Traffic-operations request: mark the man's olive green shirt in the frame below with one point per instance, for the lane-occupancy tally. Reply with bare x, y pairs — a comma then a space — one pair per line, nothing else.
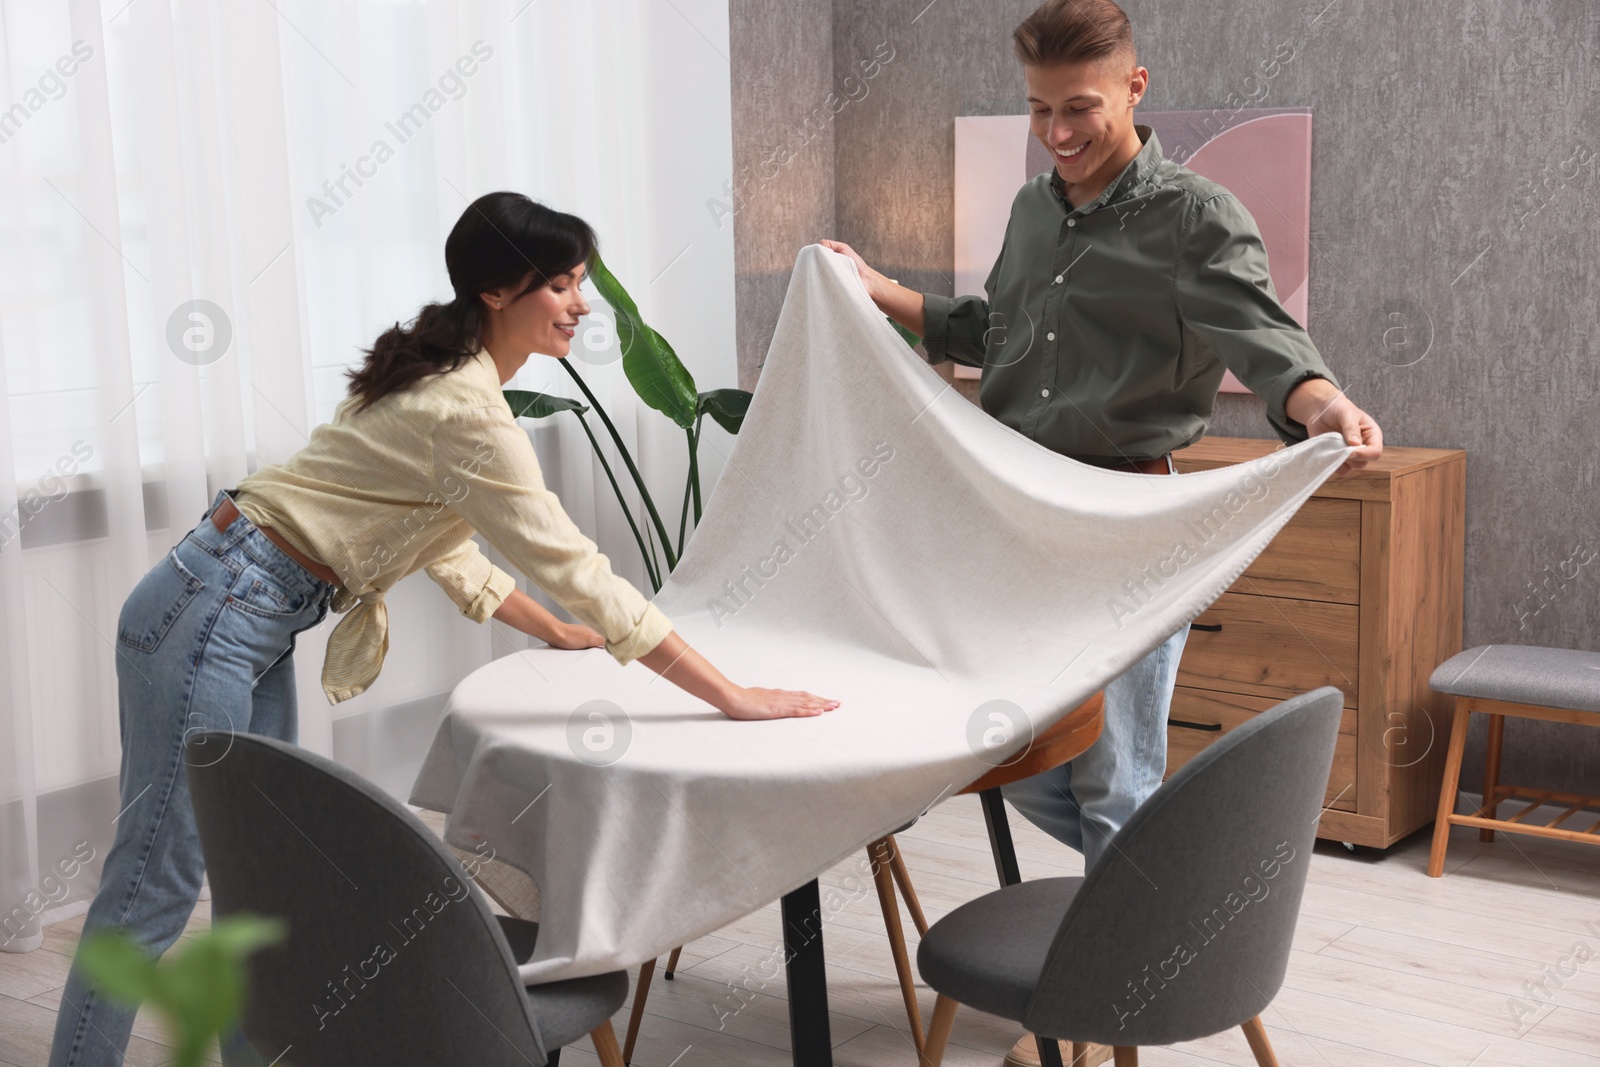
1107, 327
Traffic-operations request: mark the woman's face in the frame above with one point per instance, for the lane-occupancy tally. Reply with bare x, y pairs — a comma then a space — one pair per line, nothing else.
544, 320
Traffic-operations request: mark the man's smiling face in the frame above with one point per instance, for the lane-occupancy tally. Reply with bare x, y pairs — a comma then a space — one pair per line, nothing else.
1083, 114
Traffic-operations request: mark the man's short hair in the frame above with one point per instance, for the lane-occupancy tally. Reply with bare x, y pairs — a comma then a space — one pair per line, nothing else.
1076, 31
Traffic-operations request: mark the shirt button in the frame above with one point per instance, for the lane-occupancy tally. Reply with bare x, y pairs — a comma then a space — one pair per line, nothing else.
1072, 222
1049, 337
1044, 392
1058, 279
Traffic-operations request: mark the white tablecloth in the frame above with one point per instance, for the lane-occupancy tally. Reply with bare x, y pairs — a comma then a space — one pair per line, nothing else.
876, 538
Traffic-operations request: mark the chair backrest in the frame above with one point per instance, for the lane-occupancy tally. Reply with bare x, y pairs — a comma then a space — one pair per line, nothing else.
1182, 929
392, 954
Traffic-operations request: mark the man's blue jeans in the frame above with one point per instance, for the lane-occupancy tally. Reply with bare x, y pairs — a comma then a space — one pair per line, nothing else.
204, 642
1083, 803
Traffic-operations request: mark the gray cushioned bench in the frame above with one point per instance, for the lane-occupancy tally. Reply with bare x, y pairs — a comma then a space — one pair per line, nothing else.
1553, 684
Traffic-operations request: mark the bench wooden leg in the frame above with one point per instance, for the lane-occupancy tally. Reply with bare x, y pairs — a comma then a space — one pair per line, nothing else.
1448, 787
1491, 772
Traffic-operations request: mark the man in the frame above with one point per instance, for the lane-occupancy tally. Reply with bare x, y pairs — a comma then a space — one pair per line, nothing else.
1125, 286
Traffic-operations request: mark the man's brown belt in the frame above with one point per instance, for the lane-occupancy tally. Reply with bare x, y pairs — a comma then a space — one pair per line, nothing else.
1139, 466
223, 517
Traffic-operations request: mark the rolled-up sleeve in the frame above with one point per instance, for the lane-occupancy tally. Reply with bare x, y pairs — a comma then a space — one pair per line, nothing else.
1224, 294
476, 585
486, 470
957, 327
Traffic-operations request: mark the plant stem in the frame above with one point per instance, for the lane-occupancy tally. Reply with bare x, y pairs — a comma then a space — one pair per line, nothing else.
638, 480
652, 566
691, 486
683, 513
649, 534
694, 467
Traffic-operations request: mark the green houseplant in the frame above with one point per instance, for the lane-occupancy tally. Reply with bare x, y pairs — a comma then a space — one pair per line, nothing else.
665, 384
197, 989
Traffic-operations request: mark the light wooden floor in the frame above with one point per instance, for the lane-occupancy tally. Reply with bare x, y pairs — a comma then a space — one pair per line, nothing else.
1390, 967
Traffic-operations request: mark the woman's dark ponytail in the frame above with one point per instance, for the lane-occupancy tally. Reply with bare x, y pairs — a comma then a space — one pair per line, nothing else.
496, 243
439, 339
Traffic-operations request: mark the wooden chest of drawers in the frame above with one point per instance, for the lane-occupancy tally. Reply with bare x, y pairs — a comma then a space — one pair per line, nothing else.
1361, 590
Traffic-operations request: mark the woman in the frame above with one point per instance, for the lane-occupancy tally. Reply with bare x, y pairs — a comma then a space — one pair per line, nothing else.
422, 453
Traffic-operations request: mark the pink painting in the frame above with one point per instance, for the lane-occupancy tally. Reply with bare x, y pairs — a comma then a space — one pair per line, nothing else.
1261, 155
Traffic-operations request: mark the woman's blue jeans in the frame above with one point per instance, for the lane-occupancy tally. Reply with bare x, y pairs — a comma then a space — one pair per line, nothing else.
1084, 803
205, 642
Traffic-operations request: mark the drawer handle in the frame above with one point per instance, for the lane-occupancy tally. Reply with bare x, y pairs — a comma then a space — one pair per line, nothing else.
1208, 726
1208, 627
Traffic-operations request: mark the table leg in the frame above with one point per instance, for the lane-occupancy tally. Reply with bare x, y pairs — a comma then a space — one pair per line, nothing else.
808, 980
1005, 854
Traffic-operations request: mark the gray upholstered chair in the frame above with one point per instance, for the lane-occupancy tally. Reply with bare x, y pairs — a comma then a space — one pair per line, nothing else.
392, 955
1181, 931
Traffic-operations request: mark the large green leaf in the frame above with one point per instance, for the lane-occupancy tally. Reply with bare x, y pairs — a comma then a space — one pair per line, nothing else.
726, 406
118, 966
241, 934
658, 376
197, 989
527, 404
202, 989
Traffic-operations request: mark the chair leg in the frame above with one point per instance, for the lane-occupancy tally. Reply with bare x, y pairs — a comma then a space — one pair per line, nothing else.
672, 963
1080, 1049
1491, 771
1256, 1034
1124, 1057
641, 993
1049, 1051
902, 878
605, 1045
944, 1017
1448, 787
881, 850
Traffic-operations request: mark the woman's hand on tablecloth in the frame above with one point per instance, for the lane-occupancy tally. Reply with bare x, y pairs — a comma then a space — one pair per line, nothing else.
573, 635
681, 665
521, 611
776, 704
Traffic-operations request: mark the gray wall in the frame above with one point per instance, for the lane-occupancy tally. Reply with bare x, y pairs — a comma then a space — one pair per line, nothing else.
1447, 187
783, 155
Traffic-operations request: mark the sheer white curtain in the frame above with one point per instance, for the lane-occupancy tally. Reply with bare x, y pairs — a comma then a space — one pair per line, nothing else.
207, 210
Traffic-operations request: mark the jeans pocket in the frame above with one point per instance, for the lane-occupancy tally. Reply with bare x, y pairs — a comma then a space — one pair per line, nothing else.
257, 591
155, 603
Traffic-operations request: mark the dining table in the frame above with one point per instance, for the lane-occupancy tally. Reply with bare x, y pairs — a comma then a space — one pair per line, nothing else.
531, 759
872, 537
